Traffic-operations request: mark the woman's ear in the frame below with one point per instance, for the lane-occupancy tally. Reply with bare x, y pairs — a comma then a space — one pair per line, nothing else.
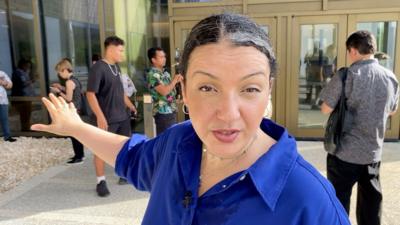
271, 85
184, 97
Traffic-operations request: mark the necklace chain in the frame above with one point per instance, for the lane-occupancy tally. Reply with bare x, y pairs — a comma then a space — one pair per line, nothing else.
233, 159
243, 151
112, 71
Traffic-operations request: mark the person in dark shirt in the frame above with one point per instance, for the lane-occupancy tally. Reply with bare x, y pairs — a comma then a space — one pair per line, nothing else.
73, 93
111, 107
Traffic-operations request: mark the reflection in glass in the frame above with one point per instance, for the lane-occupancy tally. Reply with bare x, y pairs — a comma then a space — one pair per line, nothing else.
21, 120
318, 59
22, 31
80, 49
72, 31
25, 76
385, 34
22, 80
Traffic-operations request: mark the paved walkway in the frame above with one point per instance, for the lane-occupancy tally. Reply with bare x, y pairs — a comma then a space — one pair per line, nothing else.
65, 194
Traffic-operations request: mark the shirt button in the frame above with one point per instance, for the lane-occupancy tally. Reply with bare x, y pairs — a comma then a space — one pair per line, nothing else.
224, 186
242, 177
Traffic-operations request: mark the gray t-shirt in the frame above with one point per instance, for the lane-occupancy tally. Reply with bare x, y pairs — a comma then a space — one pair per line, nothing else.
372, 93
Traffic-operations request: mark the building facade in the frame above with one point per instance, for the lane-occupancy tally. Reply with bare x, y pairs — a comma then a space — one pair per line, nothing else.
36, 34
308, 35
309, 39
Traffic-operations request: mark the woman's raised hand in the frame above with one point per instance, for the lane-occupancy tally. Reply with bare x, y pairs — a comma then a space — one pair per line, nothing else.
65, 119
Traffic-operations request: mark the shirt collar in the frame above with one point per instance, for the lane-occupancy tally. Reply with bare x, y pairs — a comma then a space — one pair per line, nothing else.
363, 62
156, 69
189, 156
269, 173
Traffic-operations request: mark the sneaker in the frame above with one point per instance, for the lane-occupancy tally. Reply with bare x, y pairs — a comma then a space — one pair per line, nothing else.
10, 139
122, 181
75, 161
83, 158
101, 189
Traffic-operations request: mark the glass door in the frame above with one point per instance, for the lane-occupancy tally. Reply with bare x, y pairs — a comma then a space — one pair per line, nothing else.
384, 26
318, 50
181, 32
270, 27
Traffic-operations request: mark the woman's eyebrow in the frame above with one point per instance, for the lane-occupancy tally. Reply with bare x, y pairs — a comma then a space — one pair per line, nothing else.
253, 74
200, 72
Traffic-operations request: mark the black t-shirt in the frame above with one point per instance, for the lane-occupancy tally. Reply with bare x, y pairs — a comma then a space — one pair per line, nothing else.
105, 81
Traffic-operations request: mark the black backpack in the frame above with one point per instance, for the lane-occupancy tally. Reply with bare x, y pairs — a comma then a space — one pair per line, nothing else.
335, 123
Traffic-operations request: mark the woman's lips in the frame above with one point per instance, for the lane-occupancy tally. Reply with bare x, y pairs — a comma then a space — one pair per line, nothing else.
226, 136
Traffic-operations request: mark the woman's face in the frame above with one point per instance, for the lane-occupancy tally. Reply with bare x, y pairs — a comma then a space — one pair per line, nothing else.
226, 91
64, 74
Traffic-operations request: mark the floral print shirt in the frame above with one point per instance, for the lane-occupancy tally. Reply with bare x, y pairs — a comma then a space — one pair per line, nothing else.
161, 104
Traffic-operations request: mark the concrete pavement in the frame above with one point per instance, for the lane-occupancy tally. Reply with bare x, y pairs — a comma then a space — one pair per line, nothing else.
66, 194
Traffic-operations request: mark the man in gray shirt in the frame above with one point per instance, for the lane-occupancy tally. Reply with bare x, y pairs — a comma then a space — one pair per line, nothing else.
372, 95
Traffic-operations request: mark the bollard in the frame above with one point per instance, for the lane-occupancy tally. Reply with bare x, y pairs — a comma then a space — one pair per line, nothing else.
149, 126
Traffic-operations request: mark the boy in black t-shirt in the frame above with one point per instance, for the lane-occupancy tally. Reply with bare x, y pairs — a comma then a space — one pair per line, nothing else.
107, 100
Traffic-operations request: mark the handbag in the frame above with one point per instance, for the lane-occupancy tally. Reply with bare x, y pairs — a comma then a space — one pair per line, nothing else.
335, 123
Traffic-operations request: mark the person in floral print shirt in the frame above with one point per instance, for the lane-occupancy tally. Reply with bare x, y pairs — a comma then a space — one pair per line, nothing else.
162, 90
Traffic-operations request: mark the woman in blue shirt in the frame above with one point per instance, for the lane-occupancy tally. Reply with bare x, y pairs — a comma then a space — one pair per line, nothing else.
227, 165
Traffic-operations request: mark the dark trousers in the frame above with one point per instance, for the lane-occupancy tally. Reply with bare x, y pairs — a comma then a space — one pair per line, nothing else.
164, 121
25, 109
78, 148
121, 128
344, 175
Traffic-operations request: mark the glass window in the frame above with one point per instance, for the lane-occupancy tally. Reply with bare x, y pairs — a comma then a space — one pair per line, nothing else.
72, 31
25, 76
317, 64
385, 34
197, 0
95, 39
56, 36
80, 48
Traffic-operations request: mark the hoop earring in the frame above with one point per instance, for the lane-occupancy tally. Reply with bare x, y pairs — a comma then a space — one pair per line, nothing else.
184, 107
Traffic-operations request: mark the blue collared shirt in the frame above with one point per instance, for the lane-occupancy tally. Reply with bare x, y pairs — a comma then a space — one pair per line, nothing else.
280, 188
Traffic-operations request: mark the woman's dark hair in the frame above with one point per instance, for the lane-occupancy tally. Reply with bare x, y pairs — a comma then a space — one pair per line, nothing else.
238, 29
113, 40
363, 41
151, 53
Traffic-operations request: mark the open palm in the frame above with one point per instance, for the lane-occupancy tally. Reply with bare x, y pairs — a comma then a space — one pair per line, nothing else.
64, 117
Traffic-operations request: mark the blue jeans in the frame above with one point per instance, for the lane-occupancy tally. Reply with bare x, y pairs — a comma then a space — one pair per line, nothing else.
4, 121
